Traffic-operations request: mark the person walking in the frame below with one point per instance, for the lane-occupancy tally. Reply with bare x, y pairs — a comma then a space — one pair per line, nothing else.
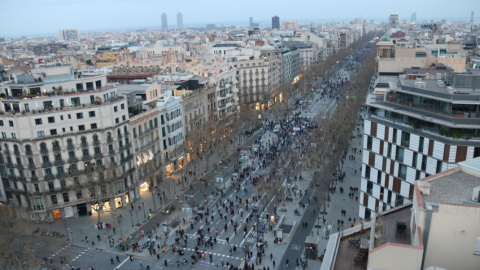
286, 263
118, 259
111, 260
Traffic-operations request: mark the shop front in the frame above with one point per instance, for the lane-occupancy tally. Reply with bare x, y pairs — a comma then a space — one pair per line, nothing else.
57, 214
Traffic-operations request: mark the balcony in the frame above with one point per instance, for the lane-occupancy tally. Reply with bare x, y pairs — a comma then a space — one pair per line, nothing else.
47, 164
57, 148
109, 140
58, 162
98, 155
223, 95
84, 144
44, 151
29, 153
70, 147
19, 165
6, 151
86, 157
111, 152
49, 177
16, 152
60, 174
96, 142
34, 178
221, 106
21, 178
72, 159
31, 166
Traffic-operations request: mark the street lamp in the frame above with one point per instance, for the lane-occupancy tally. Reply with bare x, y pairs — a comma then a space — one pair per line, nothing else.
143, 206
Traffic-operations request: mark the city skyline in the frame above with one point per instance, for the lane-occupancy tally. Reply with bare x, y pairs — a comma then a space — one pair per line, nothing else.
53, 15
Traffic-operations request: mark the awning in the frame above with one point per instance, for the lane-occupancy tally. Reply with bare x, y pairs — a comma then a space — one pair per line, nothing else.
145, 158
139, 160
150, 153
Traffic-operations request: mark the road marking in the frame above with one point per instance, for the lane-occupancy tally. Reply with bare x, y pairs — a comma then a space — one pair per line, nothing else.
118, 266
296, 247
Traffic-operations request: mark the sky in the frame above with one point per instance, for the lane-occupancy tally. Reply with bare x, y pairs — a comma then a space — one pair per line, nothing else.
46, 17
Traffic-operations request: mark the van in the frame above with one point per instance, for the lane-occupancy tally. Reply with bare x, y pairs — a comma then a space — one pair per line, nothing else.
276, 128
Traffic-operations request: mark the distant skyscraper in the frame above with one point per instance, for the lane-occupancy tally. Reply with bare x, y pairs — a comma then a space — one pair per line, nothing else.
251, 21
69, 34
179, 21
275, 22
393, 20
413, 18
164, 22
471, 17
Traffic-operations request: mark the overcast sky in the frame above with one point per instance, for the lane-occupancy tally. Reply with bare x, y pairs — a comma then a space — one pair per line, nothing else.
42, 17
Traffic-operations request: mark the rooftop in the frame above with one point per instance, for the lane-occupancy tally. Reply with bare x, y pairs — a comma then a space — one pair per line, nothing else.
455, 187
389, 227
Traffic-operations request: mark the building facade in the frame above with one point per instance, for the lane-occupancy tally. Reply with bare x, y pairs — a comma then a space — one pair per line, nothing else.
276, 22
416, 127
68, 155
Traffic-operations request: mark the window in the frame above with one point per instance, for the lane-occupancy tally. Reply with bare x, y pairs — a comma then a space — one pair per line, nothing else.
379, 177
54, 199
93, 126
51, 186
369, 143
424, 163
415, 159
61, 117
65, 197
85, 152
117, 120
399, 154
37, 204
80, 115
45, 159
97, 150
394, 140
47, 171
124, 118
14, 135
402, 171
38, 121
58, 157
367, 172
51, 119
91, 114
477, 246
417, 175
10, 123
405, 139
76, 180
420, 147
81, 127
37, 187
4, 135
115, 109
60, 170
31, 162
69, 116
63, 184
439, 166
1, 123
122, 106
53, 132
40, 134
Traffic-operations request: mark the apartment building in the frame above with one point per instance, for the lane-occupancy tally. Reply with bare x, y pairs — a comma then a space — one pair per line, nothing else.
308, 55
441, 225
418, 125
67, 155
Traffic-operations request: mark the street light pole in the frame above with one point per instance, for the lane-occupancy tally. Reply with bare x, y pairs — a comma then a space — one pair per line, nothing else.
136, 213
131, 215
143, 206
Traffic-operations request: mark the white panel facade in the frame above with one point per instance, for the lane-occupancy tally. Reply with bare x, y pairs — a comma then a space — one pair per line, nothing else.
365, 156
438, 149
365, 142
425, 145
395, 169
394, 198
378, 162
422, 175
390, 183
373, 175
380, 131
385, 148
367, 126
390, 134
371, 203
363, 185
376, 191
361, 209
394, 151
414, 142
385, 196
404, 189
453, 153
387, 167
408, 157
431, 165
470, 151
376, 145
411, 175
399, 137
